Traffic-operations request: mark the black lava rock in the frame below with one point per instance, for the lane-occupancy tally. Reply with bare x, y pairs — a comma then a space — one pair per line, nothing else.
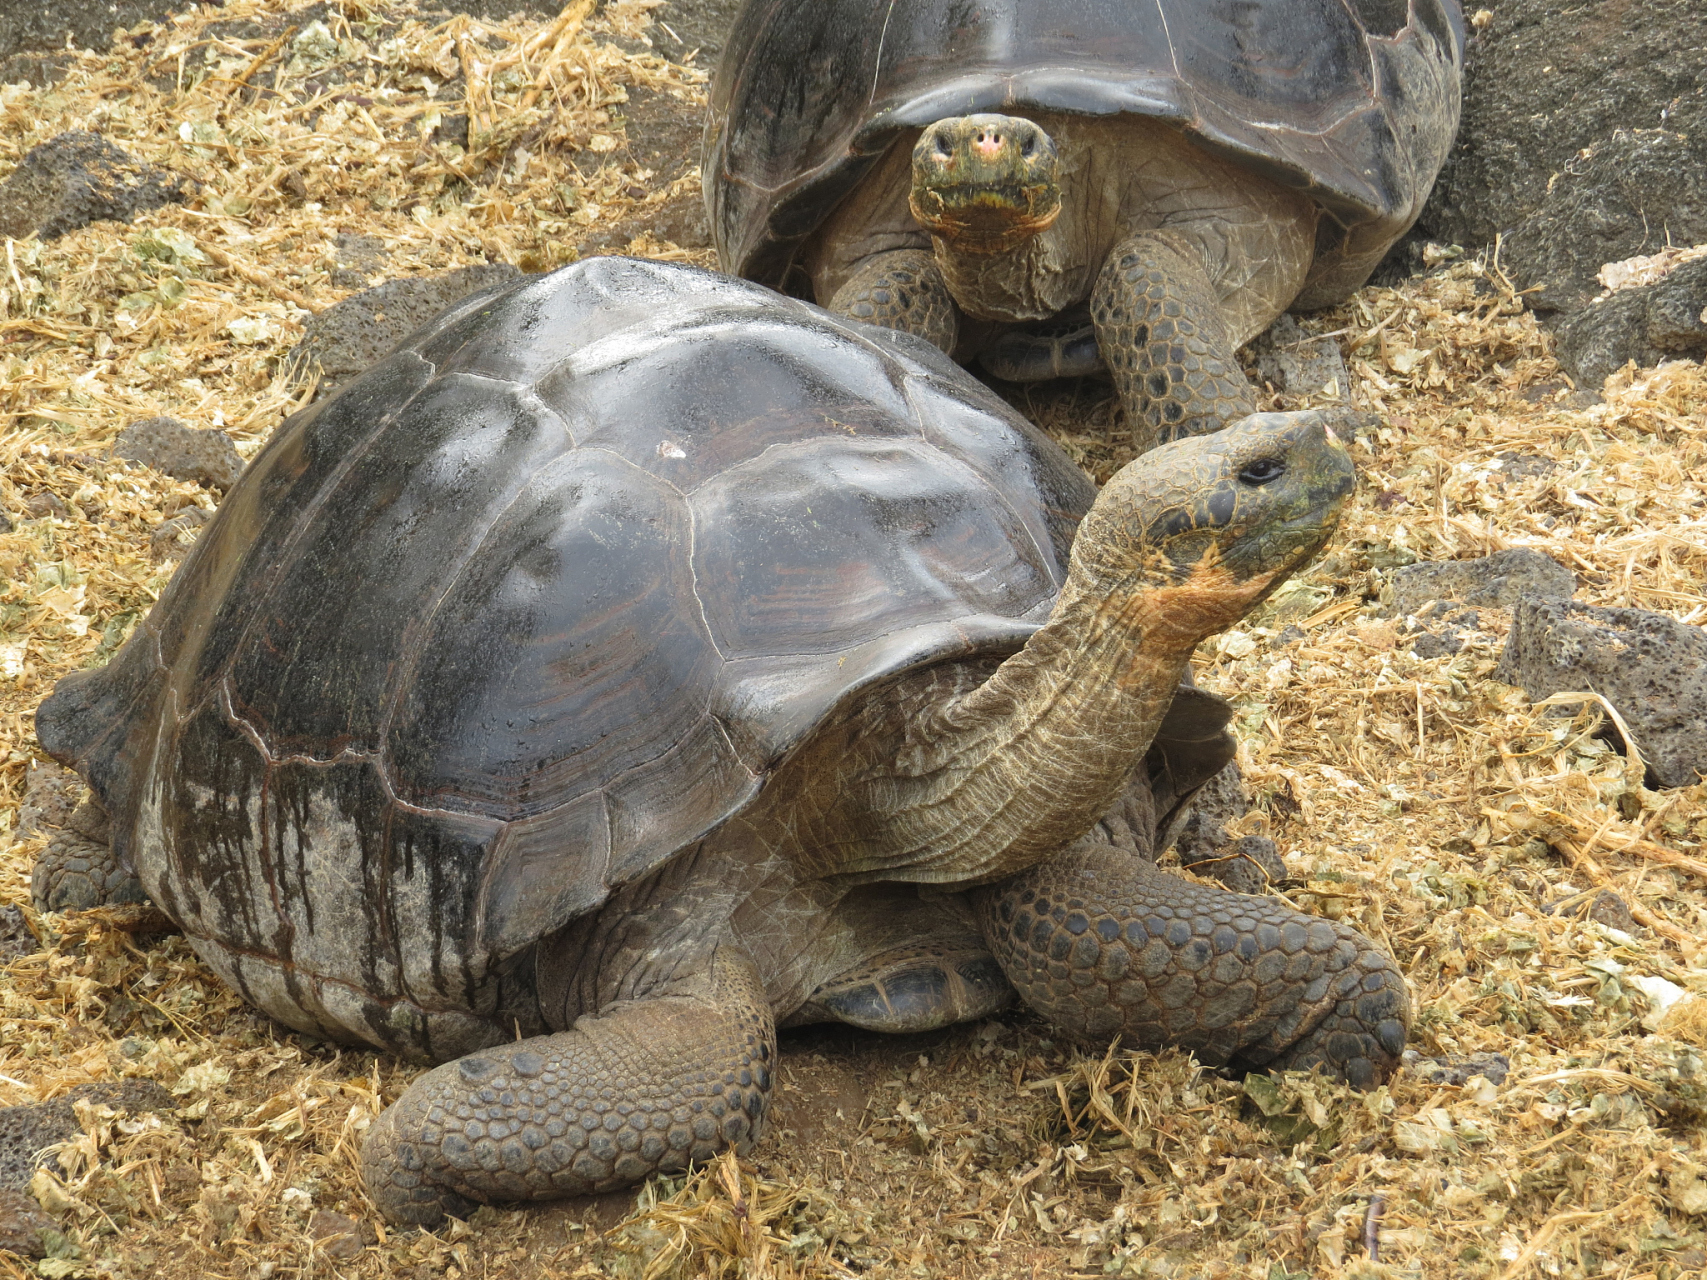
1583, 142
22, 1223
77, 178
1648, 665
1546, 80
25, 1130
1647, 324
202, 456
1499, 581
1627, 197
1250, 864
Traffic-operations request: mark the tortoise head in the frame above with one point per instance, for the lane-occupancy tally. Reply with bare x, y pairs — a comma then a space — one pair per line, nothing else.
1191, 536
985, 183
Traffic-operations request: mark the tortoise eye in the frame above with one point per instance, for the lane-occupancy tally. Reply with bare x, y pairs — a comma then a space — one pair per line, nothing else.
1262, 471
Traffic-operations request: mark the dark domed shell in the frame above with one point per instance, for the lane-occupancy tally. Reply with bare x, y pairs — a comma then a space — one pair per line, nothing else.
536, 602
1323, 95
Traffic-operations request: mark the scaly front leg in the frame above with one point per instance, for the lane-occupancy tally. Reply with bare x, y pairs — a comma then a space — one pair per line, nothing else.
78, 869
1159, 327
901, 289
644, 1087
1102, 943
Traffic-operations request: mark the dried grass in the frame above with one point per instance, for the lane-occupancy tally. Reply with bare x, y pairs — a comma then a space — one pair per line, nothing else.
1434, 807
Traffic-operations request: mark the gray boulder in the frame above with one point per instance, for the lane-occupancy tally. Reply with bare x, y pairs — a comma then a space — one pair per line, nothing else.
357, 259
1583, 142
46, 25
201, 456
38, 70
51, 792
1499, 581
1648, 665
1290, 360
1648, 323
77, 178
1632, 194
172, 538
26, 1129
23, 1224
1250, 864
1547, 79
694, 24
16, 938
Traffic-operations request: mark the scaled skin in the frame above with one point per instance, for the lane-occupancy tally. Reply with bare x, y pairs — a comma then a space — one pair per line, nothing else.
957, 776
1179, 256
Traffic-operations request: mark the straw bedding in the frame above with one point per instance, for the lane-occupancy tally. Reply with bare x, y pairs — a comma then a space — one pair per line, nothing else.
1548, 909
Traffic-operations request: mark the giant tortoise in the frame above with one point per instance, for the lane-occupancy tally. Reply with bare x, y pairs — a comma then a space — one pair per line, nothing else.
1188, 168
636, 660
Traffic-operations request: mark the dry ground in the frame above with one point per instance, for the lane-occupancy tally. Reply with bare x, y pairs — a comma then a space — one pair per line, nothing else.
1420, 798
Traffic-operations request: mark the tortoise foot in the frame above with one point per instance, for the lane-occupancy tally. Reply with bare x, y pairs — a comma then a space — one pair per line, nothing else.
1103, 944
912, 989
78, 871
1064, 347
901, 289
1159, 328
644, 1088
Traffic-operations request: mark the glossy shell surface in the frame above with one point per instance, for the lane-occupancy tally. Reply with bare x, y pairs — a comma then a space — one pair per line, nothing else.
1352, 101
536, 602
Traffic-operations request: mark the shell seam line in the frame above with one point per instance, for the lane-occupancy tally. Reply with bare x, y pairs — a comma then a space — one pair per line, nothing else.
630, 463
693, 582
489, 869
1168, 35
734, 752
533, 400
910, 369
228, 705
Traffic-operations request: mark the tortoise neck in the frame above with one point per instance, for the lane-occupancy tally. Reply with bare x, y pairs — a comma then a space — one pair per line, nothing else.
1031, 759
1032, 281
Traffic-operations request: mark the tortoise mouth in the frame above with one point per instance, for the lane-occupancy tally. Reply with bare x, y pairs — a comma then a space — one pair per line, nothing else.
986, 217
1287, 546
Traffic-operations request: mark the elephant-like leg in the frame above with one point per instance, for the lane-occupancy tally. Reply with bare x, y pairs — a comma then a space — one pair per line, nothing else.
1160, 331
78, 870
643, 1087
901, 289
1102, 943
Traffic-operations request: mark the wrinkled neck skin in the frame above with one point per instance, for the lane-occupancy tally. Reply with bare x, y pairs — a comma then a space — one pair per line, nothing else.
1002, 776
1030, 282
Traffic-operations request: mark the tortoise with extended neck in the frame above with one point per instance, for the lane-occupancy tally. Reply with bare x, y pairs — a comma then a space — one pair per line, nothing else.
977, 175
637, 659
